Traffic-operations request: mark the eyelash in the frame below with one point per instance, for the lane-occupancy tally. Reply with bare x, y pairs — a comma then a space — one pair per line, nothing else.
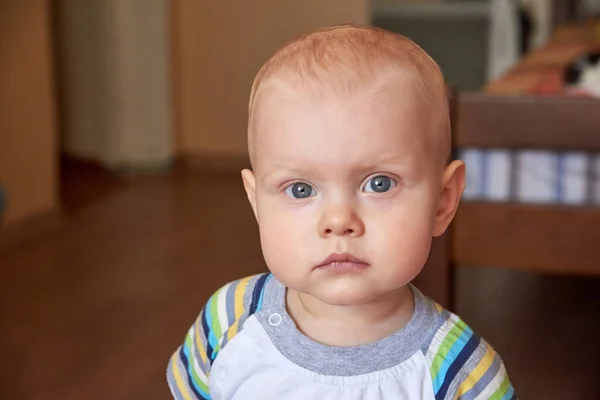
290, 185
395, 183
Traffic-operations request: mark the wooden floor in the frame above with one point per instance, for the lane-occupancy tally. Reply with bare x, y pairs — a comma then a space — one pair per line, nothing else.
93, 307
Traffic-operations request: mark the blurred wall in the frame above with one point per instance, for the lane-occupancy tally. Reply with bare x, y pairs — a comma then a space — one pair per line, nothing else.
115, 84
217, 49
28, 158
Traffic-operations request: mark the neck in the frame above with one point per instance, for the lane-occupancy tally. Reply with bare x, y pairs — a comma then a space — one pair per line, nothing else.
354, 324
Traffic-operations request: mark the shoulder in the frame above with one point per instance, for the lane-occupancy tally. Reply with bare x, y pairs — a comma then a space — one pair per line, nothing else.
228, 308
221, 318
462, 364
235, 301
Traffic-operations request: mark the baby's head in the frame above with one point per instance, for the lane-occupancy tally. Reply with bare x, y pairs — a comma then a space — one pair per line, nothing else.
349, 139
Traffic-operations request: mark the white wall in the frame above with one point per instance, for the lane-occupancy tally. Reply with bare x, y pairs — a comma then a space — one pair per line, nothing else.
115, 82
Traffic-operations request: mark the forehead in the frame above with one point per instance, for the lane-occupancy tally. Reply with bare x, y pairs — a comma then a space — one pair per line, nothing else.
312, 127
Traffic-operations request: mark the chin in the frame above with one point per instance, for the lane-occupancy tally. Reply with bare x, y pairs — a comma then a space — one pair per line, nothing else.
346, 296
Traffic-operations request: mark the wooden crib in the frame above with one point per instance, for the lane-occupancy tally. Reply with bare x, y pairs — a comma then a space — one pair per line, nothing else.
521, 111
545, 238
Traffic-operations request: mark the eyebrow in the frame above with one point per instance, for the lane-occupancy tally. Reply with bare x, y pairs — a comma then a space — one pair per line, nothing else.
280, 169
379, 166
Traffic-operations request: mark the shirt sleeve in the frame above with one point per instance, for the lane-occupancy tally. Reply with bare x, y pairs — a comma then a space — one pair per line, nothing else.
219, 321
189, 366
488, 378
463, 365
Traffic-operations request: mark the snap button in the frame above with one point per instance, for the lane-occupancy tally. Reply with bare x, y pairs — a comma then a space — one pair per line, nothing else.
245, 340
274, 319
222, 374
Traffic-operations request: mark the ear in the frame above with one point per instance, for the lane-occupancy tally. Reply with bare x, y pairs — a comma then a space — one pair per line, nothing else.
250, 186
453, 184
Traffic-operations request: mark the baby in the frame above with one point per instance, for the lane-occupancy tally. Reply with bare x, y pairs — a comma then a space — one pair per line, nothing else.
349, 140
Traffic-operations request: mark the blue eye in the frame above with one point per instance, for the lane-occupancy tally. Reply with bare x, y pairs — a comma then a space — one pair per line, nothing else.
300, 190
379, 184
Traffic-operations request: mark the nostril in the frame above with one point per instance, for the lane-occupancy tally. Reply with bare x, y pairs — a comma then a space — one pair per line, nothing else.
328, 231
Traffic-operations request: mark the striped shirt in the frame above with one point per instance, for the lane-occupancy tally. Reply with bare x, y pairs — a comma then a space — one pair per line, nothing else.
245, 345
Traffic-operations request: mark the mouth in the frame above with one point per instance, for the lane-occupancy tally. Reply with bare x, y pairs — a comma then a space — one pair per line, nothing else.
343, 262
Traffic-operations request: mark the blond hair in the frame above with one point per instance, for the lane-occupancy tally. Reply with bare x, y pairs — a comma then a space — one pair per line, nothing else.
345, 58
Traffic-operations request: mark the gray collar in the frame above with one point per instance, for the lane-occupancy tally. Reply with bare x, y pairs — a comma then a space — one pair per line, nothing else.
343, 361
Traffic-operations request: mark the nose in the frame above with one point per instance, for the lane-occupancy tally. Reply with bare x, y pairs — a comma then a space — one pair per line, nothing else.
341, 220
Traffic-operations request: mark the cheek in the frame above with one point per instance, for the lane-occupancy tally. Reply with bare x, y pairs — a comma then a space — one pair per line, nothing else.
404, 232
282, 234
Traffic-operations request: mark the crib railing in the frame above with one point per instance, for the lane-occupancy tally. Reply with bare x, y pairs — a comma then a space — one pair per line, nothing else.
546, 238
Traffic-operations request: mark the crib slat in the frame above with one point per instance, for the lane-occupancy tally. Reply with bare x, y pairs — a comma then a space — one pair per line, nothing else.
544, 238
519, 122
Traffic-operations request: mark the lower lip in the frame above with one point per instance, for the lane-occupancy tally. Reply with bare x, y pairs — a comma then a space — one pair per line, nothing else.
344, 266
